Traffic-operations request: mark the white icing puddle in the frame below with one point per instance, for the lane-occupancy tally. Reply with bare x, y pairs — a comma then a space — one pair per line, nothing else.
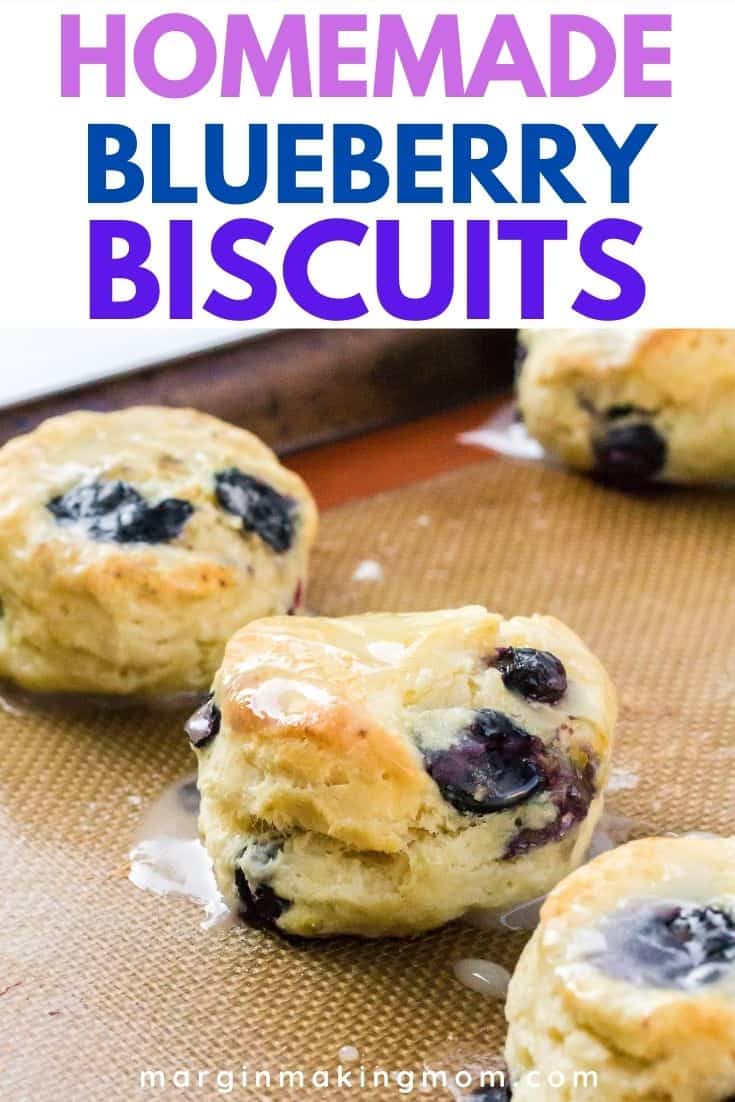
169, 859
484, 976
622, 780
525, 917
369, 570
173, 866
174, 814
504, 435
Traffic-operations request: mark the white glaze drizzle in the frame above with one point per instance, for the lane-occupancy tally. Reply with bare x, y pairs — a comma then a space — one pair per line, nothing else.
169, 859
483, 976
504, 435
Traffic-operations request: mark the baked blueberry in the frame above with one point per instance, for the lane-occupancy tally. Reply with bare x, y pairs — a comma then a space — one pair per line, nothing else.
534, 674
491, 1094
116, 512
93, 499
261, 508
160, 523
630, 455
204, 725
261, 907
664, 944
570, 790
492, 766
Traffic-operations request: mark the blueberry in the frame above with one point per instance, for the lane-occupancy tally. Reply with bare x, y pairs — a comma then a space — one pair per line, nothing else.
116, 512
491, 1094
161, 523
204, 725
570, 790
261, 907
534, 674
630, 455
493, 766
94, 499
262, 509
663, 944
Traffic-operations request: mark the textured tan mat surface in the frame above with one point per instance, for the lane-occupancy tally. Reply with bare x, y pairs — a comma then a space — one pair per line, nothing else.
99, 980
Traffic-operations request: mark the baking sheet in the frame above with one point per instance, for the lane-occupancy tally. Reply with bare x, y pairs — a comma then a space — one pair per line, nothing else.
99, 980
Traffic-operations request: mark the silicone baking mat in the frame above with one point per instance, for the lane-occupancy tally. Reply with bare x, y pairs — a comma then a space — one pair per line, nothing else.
101, 980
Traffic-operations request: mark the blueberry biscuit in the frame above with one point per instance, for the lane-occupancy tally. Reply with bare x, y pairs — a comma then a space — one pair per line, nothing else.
631, 976
133, 544
633, 406
382, 774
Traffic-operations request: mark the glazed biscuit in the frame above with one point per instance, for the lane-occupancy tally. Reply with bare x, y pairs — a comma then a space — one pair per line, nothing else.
631, 975
382, 774
633, 406
133, 544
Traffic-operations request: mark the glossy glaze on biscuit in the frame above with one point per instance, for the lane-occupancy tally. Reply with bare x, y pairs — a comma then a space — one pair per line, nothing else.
631, 975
